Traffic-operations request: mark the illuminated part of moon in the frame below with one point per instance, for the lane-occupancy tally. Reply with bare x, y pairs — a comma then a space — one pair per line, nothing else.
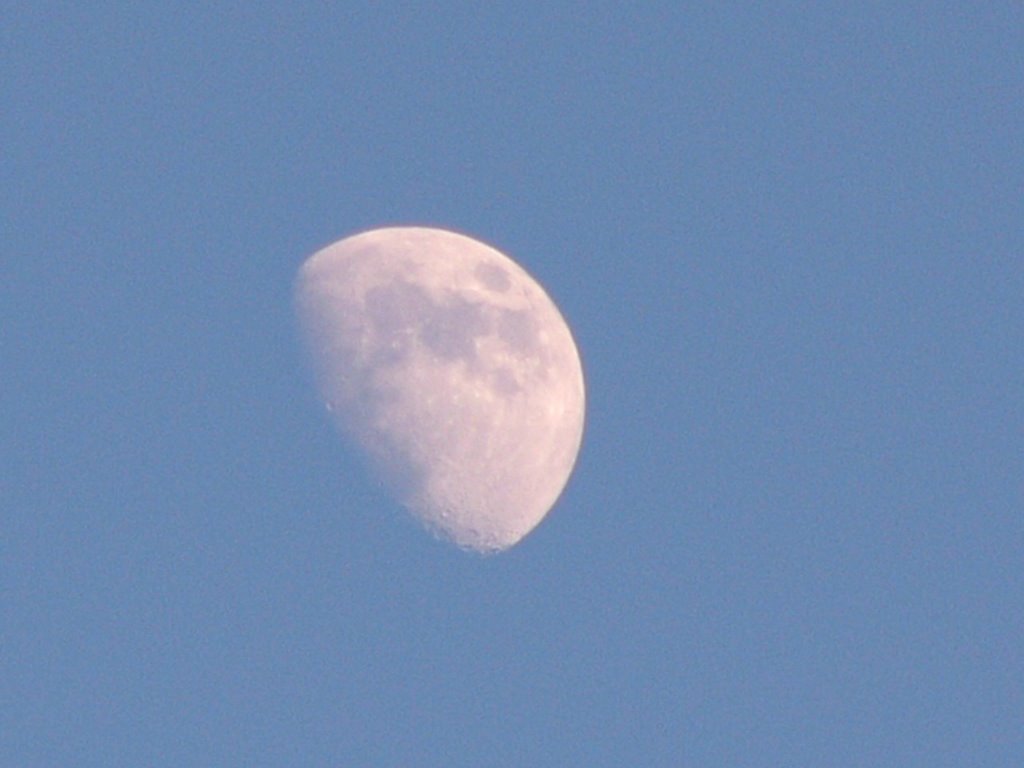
453, 372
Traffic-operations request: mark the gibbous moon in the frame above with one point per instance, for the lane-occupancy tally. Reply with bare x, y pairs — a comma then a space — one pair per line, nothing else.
452, 371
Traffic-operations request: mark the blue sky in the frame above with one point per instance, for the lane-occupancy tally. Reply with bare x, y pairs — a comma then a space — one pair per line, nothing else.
788, 240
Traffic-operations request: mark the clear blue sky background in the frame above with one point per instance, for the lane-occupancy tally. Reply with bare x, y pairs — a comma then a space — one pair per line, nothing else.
789, 238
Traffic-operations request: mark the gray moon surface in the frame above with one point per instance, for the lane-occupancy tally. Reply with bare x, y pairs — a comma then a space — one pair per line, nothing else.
452, 372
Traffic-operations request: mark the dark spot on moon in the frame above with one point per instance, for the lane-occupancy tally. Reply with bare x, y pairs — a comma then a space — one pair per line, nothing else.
503, 382
394, 311
400, 313
450, 330
395, 307
518, 330
493, 276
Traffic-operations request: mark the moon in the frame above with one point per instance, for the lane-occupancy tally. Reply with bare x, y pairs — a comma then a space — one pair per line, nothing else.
453, 373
